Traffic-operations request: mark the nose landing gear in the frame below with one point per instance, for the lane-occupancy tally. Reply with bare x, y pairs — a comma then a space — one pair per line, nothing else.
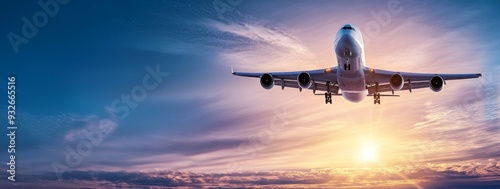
347, 66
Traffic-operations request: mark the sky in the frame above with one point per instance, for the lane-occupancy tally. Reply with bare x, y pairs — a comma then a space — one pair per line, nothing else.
139, 94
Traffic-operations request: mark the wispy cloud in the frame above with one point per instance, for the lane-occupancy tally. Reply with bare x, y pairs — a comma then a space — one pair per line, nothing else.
263, 47
47, 137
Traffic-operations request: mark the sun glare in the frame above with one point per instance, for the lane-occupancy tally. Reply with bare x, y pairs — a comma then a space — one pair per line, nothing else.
369, 153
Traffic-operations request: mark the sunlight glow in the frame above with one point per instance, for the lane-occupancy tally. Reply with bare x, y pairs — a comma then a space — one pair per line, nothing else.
369, 153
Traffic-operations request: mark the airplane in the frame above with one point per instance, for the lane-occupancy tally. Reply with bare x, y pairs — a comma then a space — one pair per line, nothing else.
351, 76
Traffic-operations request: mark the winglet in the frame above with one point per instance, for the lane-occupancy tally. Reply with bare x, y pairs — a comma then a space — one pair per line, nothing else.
232, 71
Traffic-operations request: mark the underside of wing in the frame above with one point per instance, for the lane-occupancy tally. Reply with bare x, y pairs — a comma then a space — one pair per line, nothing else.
316, 80
406, 86
384, 80
316, 86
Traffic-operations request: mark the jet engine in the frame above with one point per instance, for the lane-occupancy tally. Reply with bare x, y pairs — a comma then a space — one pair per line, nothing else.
397, 82
266, 81
304, 80
436, 83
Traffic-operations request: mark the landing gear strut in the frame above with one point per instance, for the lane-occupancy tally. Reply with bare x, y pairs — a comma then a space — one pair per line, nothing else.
376, 95
328, 94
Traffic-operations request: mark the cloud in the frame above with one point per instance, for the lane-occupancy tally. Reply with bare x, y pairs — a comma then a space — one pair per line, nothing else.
429, 175
262, 34
46, 137
87, 126
262, 46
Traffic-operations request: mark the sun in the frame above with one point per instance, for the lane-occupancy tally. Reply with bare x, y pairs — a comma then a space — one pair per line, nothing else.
368, 153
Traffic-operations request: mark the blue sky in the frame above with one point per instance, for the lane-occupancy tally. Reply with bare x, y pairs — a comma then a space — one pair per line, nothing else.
201, 120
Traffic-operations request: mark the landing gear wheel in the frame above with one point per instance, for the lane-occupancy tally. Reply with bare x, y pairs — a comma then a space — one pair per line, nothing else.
328, 98
376, 98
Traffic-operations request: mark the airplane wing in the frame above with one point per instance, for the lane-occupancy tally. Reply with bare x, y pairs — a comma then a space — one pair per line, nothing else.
325, 79
411, 80
321, 79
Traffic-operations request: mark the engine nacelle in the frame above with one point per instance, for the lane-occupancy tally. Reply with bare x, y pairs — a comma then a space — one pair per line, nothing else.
304, 80
397, 82
267, 81
436, 83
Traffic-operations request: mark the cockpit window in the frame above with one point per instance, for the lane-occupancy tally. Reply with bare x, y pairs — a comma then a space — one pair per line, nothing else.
348, 28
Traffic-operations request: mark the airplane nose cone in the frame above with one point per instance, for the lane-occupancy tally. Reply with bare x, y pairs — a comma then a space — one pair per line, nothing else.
347, 40
347, 46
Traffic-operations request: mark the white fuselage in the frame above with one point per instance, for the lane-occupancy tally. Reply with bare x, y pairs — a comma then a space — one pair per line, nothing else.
350, 54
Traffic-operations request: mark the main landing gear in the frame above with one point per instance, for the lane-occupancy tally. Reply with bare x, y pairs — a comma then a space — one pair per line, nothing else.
328, 97
376, 98
376, 95
328, 93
